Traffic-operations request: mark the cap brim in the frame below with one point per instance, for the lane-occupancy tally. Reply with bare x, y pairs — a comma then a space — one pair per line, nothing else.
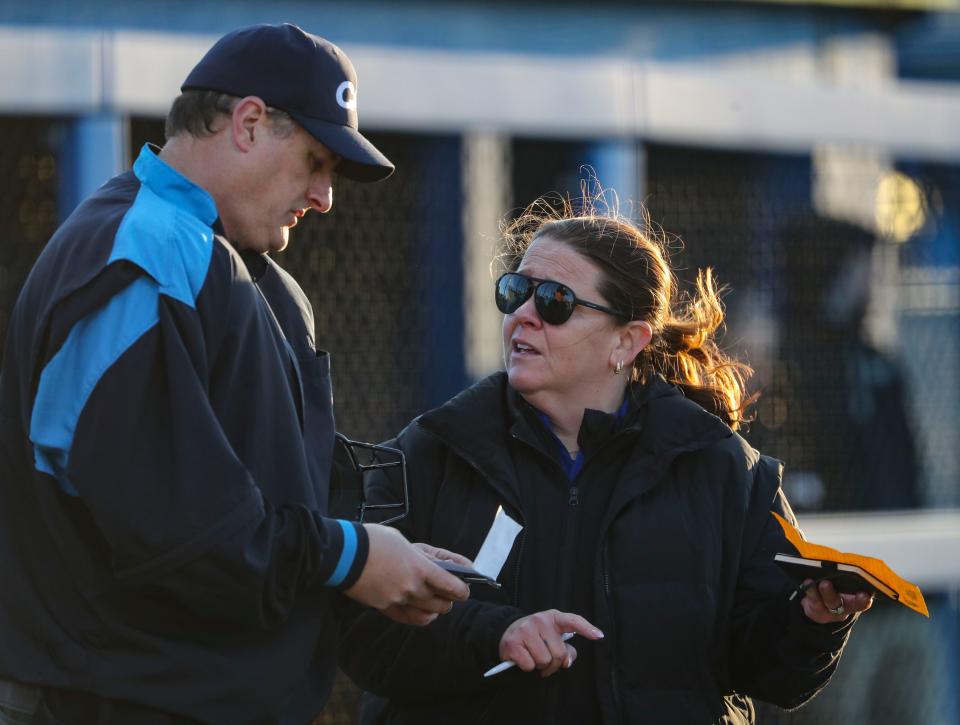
360, 160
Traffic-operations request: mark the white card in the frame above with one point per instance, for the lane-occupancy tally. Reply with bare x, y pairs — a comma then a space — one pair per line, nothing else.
496, 547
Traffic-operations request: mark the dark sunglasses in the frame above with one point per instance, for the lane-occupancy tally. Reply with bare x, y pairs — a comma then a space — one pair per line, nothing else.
554, 301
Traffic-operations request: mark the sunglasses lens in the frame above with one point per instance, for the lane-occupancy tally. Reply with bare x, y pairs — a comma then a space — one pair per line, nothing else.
512, 291
554, 302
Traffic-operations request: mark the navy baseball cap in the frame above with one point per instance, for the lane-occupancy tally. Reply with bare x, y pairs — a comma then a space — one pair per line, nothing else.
302, 74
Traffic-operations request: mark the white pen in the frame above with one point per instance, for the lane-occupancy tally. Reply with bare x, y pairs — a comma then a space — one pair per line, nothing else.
507, 664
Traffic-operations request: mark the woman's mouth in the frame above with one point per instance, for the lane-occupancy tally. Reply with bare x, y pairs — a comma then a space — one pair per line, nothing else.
523, 349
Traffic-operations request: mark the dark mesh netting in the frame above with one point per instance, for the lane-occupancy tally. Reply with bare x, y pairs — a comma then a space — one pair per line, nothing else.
28, 202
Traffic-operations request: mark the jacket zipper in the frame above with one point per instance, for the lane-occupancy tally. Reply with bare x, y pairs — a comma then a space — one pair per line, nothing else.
573, 500
571, 525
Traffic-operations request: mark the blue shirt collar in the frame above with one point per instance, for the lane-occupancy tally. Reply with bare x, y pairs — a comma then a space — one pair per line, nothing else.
572, 466
170, 185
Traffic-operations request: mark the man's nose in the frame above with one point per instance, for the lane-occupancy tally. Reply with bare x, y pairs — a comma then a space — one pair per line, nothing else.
320, 193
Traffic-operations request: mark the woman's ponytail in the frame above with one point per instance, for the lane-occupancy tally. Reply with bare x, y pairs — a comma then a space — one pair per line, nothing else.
684, 351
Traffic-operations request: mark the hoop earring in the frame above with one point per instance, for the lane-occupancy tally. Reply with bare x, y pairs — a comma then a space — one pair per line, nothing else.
618, 368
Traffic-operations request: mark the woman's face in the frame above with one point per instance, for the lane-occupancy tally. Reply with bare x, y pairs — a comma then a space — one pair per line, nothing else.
573, 360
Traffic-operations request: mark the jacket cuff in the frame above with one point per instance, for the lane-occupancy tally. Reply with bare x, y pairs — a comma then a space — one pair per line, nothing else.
349, 546
814, 637
495, 619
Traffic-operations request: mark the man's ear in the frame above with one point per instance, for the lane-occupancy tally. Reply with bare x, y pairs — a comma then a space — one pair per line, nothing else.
247, 121
633, 337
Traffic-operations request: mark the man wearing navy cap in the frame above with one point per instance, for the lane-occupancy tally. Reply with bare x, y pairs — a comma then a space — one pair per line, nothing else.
167, 426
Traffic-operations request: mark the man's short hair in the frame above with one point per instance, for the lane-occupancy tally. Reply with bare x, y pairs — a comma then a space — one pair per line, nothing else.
198, 112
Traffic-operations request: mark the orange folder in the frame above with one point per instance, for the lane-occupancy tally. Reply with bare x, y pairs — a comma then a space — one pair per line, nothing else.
818, 562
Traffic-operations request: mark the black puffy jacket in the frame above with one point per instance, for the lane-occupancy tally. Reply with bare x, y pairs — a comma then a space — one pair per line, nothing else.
678, 570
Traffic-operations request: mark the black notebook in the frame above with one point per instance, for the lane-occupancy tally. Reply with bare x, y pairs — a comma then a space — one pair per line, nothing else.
847, 578
467, 573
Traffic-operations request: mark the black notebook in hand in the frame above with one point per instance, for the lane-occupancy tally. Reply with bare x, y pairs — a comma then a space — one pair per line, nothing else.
467, 573
846, 578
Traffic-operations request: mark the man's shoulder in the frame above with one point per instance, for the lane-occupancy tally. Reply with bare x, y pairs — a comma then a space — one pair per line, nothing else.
79, 251
170, 244
94, 222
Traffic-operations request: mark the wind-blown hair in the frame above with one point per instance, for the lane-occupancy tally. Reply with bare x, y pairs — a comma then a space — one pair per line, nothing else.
637, 280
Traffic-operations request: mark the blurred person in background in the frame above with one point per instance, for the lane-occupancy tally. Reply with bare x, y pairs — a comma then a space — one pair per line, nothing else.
167, 425
847, 429
848, 433
646, 520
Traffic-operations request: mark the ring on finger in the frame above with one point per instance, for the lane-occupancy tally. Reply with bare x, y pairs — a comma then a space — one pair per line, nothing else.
838, 610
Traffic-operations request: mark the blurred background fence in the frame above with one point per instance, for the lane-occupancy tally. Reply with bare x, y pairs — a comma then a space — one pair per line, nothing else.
757, 135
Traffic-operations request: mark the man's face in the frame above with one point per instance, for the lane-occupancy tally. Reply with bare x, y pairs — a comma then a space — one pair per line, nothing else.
283, 177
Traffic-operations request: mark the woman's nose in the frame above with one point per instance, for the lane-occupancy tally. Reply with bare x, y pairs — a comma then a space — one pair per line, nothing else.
526, 313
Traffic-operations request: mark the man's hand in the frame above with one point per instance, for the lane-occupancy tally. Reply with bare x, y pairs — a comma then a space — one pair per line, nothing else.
535, 641
435, 552
823, 603
401, 581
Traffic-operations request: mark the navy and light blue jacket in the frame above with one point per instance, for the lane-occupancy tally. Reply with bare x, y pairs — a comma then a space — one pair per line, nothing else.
167, 432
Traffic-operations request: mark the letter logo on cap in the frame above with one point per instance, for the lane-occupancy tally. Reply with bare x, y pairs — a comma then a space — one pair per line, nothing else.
346, 95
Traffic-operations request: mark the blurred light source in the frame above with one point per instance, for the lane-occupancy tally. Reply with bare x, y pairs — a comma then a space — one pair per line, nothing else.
901, 207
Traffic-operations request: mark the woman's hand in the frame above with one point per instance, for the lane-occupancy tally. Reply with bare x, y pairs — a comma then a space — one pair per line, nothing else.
823, 604
535, 642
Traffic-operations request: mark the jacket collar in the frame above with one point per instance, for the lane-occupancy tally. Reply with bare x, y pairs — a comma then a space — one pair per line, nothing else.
597, 426
477, 425
172, 186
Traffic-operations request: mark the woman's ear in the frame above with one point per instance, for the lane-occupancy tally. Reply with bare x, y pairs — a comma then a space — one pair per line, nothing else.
633, 337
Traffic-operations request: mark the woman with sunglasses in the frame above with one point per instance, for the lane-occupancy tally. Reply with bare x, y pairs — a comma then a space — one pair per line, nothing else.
646, 520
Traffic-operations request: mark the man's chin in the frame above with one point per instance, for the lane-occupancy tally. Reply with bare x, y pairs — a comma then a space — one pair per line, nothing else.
276, 242
279, 243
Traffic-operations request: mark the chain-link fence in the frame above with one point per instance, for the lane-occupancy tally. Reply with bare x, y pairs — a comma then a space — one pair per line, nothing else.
375, 273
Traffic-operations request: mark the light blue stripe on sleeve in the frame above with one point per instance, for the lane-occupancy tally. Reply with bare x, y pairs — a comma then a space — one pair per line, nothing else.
347, 554
93, 345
